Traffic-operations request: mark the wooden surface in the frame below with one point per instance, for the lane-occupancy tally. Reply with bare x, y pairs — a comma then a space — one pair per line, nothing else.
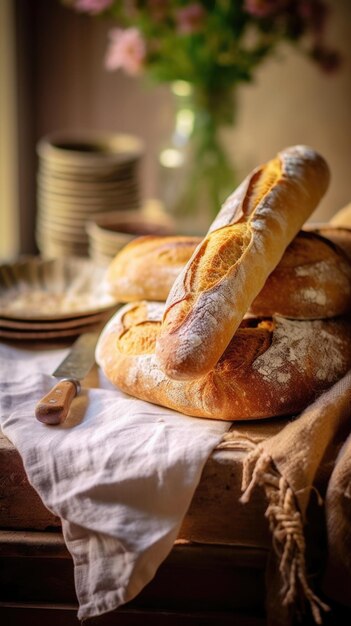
215, 514
65, 616
196, 582
214, 575
197, 585
20, 505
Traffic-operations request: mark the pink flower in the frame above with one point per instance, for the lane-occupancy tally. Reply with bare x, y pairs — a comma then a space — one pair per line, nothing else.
126, 51
190, 19
92, 6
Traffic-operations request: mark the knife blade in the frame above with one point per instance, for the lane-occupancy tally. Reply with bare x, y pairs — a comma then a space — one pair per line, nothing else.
53, 408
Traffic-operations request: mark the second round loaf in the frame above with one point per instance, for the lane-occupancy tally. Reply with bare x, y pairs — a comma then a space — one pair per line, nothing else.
312, 280
270, 368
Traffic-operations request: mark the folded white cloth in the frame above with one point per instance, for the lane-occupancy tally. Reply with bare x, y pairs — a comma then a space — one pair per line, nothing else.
120, 473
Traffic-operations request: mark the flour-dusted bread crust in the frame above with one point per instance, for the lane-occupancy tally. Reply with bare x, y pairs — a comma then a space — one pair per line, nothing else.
229, 268
312, 281
147, 267
270, 368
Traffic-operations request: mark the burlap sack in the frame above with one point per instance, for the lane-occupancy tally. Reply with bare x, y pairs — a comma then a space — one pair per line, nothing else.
337, 580
289, 466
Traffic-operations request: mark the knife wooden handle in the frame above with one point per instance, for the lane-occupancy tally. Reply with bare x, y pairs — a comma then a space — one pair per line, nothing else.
53, 408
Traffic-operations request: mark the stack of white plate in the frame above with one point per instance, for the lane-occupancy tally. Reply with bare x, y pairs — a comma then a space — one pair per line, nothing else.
80, 176
41, 300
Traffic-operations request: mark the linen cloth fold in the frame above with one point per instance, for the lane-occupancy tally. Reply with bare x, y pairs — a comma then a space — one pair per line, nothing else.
311, 451
120, 473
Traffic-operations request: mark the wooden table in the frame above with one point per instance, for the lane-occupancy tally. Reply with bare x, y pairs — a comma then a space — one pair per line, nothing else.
213, 576
214, 572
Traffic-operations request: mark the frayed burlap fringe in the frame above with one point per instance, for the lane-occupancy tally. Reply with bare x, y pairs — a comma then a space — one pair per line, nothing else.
285, 524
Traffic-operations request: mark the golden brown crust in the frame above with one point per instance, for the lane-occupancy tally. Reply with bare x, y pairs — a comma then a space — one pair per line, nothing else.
229, 268
270, 368
312, 281
147, 267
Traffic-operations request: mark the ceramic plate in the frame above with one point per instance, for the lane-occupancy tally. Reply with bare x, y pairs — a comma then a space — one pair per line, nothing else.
46, 335
91, 149
62, 186
48, 325
38, 289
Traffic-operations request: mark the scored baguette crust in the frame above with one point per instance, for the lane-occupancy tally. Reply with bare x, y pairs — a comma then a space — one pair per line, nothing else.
147, 267
311, 281
270, 368
229, 268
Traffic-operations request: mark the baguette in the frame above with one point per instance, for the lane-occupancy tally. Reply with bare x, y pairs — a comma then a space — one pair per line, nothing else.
229, 268
311, 281
270, 368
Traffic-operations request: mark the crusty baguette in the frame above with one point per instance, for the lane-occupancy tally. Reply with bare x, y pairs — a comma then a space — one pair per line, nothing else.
146, 268
311, 281
229, 268
270, 368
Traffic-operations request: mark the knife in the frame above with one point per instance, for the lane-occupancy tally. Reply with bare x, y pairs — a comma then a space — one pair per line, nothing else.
54, 407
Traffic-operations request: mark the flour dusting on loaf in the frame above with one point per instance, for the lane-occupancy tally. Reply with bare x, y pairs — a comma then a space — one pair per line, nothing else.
245, 332
229, 268
312, 281
295, 343
271, 367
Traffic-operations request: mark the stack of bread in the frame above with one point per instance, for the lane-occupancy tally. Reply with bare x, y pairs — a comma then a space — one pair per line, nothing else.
250, 322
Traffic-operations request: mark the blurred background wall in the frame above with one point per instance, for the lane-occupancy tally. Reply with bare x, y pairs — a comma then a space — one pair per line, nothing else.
60, 83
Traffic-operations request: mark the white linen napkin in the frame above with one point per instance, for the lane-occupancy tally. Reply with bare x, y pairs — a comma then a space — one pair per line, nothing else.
120, 473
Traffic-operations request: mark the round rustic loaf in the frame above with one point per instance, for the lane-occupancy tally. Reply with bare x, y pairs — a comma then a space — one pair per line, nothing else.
271, 367
146, 268
312, 280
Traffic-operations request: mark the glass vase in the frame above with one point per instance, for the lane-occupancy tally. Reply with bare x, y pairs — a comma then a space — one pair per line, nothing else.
196, 173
